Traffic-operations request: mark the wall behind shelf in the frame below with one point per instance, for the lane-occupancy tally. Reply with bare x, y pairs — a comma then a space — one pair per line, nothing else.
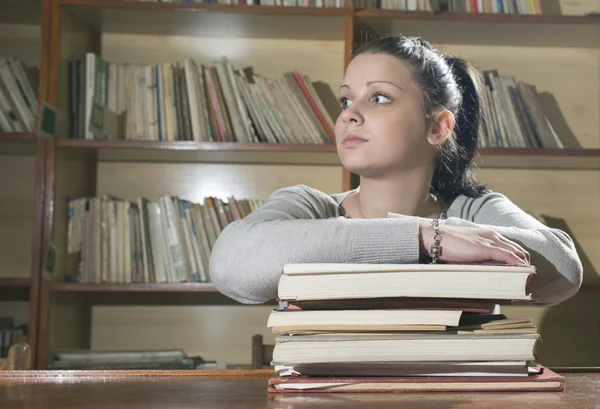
22, 42
17, 180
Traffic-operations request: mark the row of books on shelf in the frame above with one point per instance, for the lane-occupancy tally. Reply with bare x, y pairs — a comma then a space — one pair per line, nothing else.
184, 100
196, 102
285, 3
18, 96
471, 6
513, 116
465, 6
111, 240
10, 334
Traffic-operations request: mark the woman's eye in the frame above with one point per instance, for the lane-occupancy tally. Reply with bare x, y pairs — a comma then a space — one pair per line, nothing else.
344, 102
381, 99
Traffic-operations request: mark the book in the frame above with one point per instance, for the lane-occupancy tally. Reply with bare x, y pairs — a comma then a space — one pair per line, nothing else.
326, 281
372, 347
539, 379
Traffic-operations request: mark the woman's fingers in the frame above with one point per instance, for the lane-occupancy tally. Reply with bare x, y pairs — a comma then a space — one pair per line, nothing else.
516, 248
505, 251
503, 255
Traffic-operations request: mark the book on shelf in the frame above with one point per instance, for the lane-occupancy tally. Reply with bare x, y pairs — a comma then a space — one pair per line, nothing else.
404, 327
513, 117
18, 96
152, 359
461, 6
110, 240
189, 101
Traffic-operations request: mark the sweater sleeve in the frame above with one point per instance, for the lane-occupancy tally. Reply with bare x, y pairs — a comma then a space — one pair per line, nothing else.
559, 269
299, 225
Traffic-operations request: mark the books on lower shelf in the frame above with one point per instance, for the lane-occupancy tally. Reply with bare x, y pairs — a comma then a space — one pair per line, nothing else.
18, 96
110, 240
464, 6
190, 101
404, 327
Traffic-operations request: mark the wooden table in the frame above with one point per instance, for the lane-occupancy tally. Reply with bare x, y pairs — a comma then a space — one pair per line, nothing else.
247, 389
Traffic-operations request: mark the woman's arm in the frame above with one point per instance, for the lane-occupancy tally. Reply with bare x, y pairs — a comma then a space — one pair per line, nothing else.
552, 252
296, 225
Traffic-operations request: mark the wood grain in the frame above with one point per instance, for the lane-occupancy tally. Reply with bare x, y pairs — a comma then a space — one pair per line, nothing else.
235, 389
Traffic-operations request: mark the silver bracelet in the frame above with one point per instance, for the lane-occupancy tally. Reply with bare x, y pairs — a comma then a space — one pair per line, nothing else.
436, 249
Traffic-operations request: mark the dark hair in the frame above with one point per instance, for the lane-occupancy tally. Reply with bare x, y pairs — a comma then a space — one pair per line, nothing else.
447, 82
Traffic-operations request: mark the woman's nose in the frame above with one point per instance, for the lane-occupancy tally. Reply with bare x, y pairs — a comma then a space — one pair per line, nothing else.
352, 115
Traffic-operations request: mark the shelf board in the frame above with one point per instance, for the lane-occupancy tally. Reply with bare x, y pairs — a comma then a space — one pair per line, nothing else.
479, 17
209, 20
134, 287
14, 289
538, 158
15, 282
208, 152
309, 154
491, 29
590, 288
17, 143
143, 293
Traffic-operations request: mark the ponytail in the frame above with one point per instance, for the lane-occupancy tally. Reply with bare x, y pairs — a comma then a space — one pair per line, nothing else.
453, 174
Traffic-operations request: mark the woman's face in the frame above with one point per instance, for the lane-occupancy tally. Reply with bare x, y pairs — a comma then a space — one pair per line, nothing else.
381, 129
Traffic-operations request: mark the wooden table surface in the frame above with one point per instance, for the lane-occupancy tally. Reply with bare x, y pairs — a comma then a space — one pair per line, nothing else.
247, 389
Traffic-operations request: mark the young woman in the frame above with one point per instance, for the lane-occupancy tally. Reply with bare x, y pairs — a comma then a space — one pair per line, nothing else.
409, 129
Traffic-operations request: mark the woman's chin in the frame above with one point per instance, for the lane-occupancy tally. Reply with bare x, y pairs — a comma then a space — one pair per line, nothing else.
358, 166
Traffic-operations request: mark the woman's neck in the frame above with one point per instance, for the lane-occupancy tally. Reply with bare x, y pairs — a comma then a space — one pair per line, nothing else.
402, 195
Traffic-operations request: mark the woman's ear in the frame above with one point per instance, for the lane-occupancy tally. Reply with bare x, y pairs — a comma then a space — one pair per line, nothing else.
442, 128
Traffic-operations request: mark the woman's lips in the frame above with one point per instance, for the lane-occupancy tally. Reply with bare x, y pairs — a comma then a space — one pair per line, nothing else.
353, 140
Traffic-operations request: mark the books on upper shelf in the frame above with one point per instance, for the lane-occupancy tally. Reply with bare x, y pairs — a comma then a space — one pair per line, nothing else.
18, 96
403, 327
110, 240
513, 117
188, 101
285, 3
465, 6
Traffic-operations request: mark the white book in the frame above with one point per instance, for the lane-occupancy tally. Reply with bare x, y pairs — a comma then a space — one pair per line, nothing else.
322, 281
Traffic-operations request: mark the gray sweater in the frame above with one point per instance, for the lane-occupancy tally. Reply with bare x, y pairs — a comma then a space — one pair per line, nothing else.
299, 224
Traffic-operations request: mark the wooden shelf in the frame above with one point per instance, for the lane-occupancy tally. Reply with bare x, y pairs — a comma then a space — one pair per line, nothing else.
231, 152
491, 29
209, 20
15, 282
478, 17
17, 137
215, 152
14, 289
134, 287
17, 143
590, 288
538, 158
143, 293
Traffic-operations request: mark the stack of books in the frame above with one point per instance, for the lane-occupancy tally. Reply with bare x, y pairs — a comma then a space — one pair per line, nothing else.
404, 327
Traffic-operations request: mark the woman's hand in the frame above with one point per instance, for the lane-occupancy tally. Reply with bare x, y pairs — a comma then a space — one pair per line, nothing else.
471, 245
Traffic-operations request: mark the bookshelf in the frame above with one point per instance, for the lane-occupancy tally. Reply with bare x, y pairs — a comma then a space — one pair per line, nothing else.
273, 40
21, 183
